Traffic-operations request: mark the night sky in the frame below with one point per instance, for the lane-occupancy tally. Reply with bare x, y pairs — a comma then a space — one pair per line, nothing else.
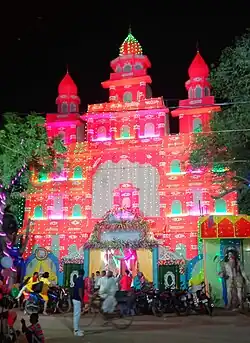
37, 44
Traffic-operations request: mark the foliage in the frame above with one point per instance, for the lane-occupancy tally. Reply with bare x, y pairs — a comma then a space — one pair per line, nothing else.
228, 142
24, 141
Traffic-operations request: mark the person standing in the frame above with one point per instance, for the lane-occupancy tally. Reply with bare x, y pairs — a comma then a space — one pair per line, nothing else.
125, 282
78, 294
44, 294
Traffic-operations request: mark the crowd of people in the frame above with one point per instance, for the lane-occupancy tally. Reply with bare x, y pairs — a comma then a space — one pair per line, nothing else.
105, 285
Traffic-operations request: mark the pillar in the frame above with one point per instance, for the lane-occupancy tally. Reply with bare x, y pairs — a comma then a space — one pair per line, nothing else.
155, 255
86, 261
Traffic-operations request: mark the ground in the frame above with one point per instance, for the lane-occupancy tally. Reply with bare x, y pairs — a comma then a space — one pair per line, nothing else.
201, 329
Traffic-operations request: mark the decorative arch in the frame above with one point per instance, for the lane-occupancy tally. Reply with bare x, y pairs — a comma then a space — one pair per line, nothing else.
108, 233
149, 129
77, 175
38, 212
198, 92
125, 131
101, 132
64, 107
197, 125
175, 166
77, 211
220, 206
176, 207
127, 97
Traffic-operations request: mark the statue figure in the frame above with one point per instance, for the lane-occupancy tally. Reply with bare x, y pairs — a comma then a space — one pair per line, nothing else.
235, 277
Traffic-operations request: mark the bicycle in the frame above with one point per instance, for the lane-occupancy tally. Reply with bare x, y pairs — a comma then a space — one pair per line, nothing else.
95, 310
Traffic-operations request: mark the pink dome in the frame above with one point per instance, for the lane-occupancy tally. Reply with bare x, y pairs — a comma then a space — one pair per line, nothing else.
67, 86
198, 67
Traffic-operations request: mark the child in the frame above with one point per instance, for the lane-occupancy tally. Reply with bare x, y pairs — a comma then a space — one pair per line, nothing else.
34, 332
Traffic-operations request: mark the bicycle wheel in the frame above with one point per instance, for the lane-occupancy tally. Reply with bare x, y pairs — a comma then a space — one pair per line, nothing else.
121, 321
89, 315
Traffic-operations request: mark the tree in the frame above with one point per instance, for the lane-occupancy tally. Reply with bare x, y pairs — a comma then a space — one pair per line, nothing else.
227, 146
25, 148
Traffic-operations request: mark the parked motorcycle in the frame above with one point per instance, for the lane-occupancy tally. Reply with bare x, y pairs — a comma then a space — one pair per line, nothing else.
200, 301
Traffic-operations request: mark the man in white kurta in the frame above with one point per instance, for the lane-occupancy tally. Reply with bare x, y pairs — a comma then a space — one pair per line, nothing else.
108, 294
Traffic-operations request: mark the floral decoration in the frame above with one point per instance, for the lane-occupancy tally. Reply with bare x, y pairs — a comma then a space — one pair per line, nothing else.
121, 219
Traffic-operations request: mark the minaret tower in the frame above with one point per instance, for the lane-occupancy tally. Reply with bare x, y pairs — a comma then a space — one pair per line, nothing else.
195, 112
67, 101
129, 82
67, 121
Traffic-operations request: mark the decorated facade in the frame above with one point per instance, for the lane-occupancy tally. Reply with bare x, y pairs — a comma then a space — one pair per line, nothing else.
121, 155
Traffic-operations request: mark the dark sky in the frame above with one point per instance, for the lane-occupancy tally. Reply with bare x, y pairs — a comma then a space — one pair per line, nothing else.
38, 43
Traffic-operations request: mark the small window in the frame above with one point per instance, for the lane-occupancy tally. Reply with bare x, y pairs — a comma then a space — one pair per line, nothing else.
176, 207
138, 66
125, 131
73, 108
190, 93
197, 125
38, 212
207, 91
77, 211
127, 97
127, 68
57, 208
64, 107
42, 176
149, 130
101, 132
220, 206
77, 173
175, 166
198, 92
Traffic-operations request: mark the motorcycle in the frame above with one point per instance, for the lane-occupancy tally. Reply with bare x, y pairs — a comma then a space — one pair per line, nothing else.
59, 301
200, 301
166, 302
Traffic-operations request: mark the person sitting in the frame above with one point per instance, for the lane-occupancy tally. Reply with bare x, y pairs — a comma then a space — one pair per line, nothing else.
108, 294
34, 332
138, 281
44, 293
28, 284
